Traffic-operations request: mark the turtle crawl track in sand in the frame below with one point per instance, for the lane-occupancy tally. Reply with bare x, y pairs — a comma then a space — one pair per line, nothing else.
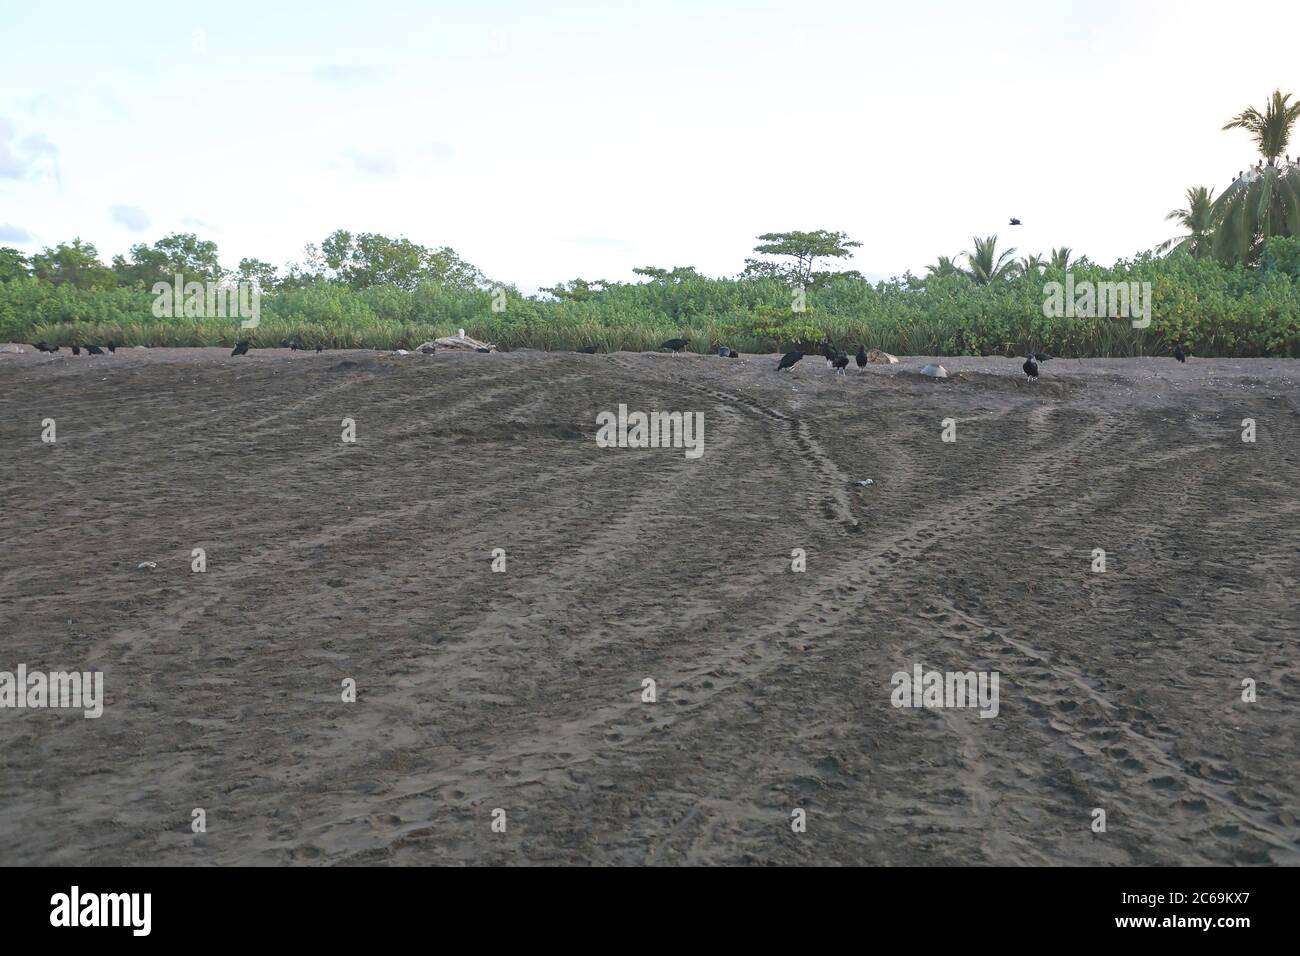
523, 690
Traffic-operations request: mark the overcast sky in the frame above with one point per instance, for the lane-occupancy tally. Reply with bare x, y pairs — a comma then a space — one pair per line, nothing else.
545, 141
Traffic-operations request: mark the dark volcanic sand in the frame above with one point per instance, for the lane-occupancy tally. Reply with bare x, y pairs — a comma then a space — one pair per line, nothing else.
522, 690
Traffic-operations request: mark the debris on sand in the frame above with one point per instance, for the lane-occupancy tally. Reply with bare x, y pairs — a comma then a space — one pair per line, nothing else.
877, 357
457, 343
935, 371
146, 566
866, 482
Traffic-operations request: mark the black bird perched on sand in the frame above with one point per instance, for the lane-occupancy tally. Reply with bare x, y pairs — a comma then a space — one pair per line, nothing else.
788, 360
45, 347
76, 349
675, 344
1179, 353
112, 347
1031, 369
732, 353
1015, 222
1041, 357
94, 350
319, 349
841, 363
587, 350
861, 357
828, 353
241, 348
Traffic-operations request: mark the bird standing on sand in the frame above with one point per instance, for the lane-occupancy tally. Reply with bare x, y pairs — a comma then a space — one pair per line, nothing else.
732, 353
45, 347
841, 363
112, 347
1179, 353
587, 350
861, 357
675, 344
241, 348
828, 353
1031, 369
788, 360
94, 350
76, 349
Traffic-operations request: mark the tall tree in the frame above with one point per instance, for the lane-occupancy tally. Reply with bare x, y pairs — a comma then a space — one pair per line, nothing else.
1271, 129
181, 253
13, 264
1197, 221
369, 258
1257, 207
944, 267
76, 264
1060, 258
805, 248
984, 264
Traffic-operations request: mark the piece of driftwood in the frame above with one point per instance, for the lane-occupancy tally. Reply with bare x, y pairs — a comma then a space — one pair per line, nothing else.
877, 357
460, 342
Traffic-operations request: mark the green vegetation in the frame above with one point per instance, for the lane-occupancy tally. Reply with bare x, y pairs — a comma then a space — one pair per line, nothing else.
1229, 285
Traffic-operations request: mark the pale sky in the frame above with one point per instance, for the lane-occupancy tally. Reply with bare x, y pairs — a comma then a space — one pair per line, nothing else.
545, 141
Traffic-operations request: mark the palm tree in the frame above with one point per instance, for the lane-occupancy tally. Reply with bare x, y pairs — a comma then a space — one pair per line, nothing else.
1256, 207
984, 265
1197, 220
944, 267
1060, 258
1032, 264
1271, 129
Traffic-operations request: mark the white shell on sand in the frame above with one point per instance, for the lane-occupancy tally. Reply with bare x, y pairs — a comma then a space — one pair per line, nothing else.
935, 371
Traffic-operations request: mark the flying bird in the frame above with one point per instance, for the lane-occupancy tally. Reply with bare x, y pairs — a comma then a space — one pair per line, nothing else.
1016, 222
841, 363
788, 360
675, 344
861, 357
241, 348
1179, 353
1031, 369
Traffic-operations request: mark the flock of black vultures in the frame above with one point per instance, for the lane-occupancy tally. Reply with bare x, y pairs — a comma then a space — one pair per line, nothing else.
839, 360
835, 358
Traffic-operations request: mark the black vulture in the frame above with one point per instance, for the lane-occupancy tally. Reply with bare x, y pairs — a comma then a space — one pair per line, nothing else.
587, 350
319, 349
828, 353
861, 357
1031, 368
46, 347
788, 360
1041, 357
284, 343
1179, 353
732, 353
76, 349
841, 363
1015, 222
675, 344
241, 348
94, 350
112, 347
